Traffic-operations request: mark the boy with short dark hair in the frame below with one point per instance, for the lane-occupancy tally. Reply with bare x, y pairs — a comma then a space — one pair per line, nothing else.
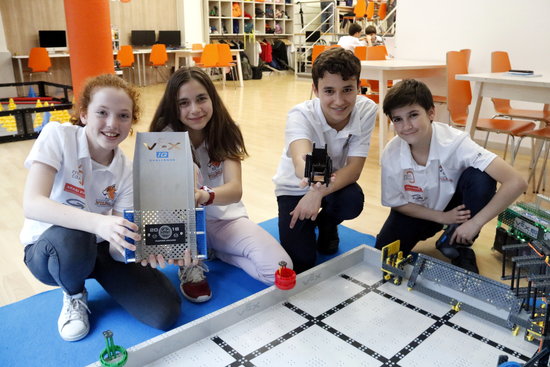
353, 39
435, 175
371, 38
343, 121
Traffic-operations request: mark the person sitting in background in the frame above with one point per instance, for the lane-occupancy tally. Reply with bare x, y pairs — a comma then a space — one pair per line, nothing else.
353, 39
371, 38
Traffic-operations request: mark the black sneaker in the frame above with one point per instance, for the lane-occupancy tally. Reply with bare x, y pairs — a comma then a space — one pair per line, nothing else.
466, 260
444, 245
328, 240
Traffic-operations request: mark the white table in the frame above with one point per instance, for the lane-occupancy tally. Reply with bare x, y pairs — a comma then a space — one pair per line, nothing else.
503, 85
140, 61
392, 69
189, 54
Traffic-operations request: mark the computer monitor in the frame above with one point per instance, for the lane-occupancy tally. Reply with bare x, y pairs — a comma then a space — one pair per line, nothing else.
52, 40
170, 38
313, 36
143, 38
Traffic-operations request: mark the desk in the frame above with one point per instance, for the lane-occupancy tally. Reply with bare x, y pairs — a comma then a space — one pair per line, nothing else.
189, 54
340, 12
392, 69
503, 85
140, 61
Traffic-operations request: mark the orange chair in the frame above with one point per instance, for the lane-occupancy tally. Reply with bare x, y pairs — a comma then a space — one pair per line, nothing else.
316, 51
361, 53
443, 99
459, 97
158, 57
376, 53
359, 10
539, 134
369, 13
209, 56
382, 11
125, 58
39, 61
225, 60
196, 47
500, 62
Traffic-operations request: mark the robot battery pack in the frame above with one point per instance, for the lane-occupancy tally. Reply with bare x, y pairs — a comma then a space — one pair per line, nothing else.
129, 255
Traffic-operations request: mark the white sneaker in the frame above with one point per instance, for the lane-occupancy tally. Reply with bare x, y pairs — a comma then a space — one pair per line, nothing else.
73, 322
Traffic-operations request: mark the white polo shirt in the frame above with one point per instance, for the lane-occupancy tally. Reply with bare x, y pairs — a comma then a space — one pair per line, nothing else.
307, 121
452, 151
350, 42
212, 176
79, 182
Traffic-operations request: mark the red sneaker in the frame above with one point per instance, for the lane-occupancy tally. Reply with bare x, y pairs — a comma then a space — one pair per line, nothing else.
193, 283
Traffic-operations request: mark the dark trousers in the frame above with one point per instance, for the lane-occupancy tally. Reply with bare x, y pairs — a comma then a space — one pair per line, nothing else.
474, 189
299, 242
66, 258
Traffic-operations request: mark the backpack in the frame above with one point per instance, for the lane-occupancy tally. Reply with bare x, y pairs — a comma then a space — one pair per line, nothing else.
256, 72
246, 68
236, 10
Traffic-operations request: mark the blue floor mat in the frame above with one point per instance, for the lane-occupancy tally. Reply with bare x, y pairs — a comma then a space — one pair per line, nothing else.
28, 328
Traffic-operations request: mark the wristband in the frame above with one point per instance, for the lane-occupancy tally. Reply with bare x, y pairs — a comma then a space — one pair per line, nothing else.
211, 193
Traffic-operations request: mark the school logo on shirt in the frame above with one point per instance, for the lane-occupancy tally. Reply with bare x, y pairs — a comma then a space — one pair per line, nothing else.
78, 174
408, 176
442, 176
214, 169
109, 194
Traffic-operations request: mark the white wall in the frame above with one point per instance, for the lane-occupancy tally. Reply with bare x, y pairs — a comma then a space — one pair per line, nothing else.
6, 68
190, 19
427, 29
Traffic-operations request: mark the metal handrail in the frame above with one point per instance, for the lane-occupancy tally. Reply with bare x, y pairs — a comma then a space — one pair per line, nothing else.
385, 20
302, 48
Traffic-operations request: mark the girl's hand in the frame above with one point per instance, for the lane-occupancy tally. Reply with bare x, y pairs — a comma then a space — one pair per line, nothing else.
159, 259
201, 197
456, 215
114, 229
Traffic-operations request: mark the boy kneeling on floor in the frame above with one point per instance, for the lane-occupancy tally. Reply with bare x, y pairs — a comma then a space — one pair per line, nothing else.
435, 175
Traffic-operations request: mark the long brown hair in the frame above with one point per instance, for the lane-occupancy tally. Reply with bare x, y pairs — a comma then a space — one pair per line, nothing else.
223, 137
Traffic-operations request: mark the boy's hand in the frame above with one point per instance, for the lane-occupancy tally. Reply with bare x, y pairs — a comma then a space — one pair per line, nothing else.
465, 233
309, 205
456, 215
304, 182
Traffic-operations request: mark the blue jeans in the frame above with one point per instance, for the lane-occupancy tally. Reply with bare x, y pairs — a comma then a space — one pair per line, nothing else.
474, 189
300, 242
66, 258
